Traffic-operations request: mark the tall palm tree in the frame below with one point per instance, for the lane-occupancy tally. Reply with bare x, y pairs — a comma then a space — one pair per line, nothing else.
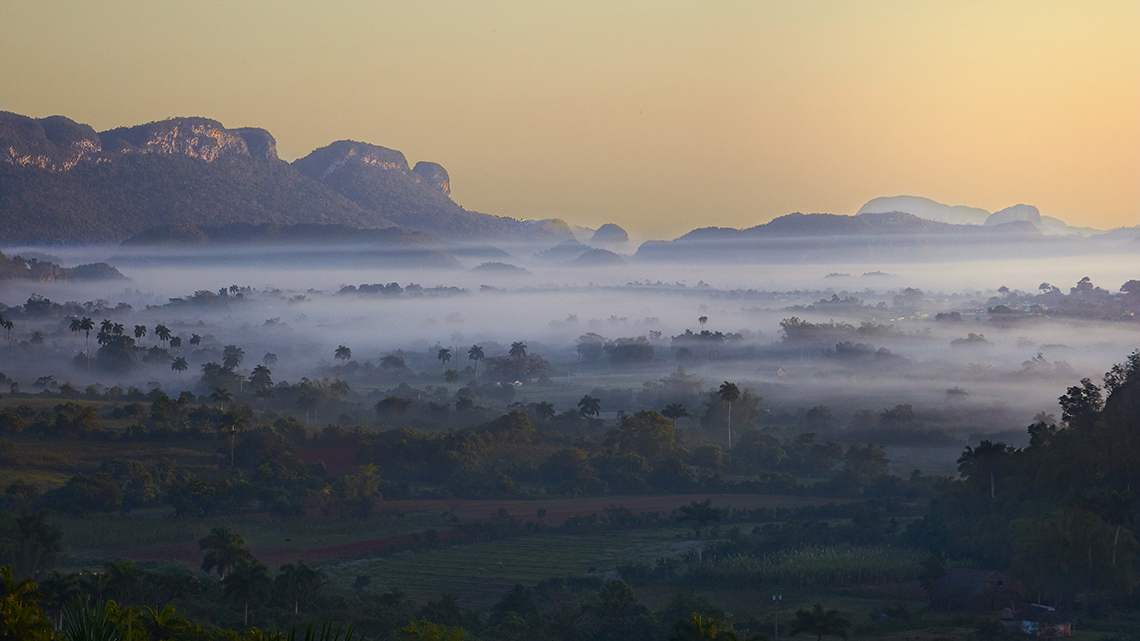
702, 320
87, 325
106, 325
983, 461
175, 342
728, 393
444, 355
475, 354
222, 396
117, 329
261, 377
674, 411
343, 353
8, 326
819, 622
297, 582
179, 365
232, 356
1120, 511
140, 331
162, 332
589, 406
224, 549
249, 584
232, 421
269, 359
76, 327
518, 349
195, 339
450, 377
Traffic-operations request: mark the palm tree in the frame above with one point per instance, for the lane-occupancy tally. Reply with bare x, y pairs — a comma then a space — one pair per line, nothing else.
983, 461
106, 326
450, 377
232, 356
819, 622
76, 327
248, 584
222, 396
343, 353
140, 331
20, 614
674, 411
444, 355
162, 332
338, 388
702, 320
233, 421
1121, 510
475, 354
589, 406
87, 325
8, 326
544, 410
261, 377
728, 393
117, 329
226, 549
179, 365
269, 359
175, 342
60, 590
307, 402
195, 339
518, 349
297, 582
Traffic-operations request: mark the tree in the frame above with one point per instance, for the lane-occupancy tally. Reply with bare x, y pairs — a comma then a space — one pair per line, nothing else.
343, 353
87, 325
8, 326
819, 622
261, 377
232, 356
444, 355
728, 393
175, 342
232, 421
427, 631
702, 320
248, 584
700, 513
163, 333
518, 350
589, 406
140, 331
225, 550
674, 411
179, 365
195, 339
450, 377
298, 582
21, 617
984, 461
222, 396
269, 359
1120, 511
76, 327
475, 354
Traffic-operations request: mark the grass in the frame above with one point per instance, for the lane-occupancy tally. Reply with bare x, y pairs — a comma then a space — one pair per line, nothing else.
479, 573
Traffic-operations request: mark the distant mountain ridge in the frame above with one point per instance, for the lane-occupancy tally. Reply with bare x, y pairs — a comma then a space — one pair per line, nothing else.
63, 182
928, 209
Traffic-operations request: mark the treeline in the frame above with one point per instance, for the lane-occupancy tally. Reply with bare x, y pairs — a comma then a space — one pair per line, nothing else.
1059, 513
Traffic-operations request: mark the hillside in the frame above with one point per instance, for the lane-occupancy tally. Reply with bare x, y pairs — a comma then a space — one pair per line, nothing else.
62, 182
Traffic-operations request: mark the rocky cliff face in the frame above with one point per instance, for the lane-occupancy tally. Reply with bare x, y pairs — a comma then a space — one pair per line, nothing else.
200, 138
54, 143
434, 175
261, 144
324, 162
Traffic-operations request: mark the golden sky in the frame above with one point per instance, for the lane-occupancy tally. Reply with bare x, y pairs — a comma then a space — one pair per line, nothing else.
660, 116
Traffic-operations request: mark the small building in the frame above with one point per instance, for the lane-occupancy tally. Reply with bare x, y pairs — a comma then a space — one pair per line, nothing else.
1044, 621
975, 590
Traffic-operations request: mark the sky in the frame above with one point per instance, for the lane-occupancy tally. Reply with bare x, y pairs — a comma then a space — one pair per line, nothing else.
658, 116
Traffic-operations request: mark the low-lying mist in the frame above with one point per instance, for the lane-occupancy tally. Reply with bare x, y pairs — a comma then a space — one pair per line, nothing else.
978, 346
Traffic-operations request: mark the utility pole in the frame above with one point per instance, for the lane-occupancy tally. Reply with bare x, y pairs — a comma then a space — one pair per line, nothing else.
776, 598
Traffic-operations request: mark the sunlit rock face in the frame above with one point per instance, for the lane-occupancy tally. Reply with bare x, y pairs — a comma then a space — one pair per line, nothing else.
1016, 214
54, 143
326, 161
435, 175
199, 138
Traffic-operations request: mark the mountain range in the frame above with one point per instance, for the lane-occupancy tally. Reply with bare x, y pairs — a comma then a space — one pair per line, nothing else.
63, 182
